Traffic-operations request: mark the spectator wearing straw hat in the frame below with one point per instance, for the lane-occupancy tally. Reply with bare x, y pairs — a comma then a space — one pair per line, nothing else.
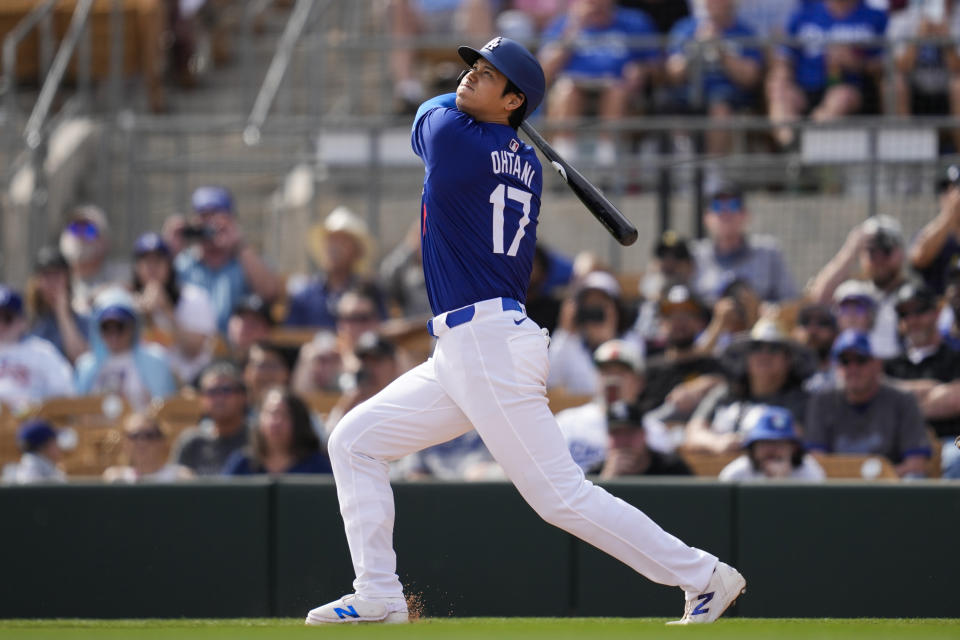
219, 260
343, 248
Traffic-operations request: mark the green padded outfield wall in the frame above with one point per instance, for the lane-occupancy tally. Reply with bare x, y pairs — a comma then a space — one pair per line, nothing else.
96, 551
465, 549
698, 512
850, 550
267, 548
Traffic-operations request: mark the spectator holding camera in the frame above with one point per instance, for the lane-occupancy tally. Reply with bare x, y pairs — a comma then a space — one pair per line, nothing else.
865, 415
766, 368
929, 369
593, 315
283, 440
218, 259
876, 245
772, 449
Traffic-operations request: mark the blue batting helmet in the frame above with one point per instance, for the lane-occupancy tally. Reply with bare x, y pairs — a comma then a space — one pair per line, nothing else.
514, 61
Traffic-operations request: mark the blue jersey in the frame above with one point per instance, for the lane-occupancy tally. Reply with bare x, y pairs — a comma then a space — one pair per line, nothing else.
715, 79
601, 52
815, 28
479, 209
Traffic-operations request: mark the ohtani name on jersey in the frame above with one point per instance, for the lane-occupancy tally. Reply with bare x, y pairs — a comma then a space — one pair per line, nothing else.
510, 163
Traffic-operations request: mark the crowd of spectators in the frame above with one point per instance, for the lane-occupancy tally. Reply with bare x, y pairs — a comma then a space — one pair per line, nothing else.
787, 59
716, 351
719, 350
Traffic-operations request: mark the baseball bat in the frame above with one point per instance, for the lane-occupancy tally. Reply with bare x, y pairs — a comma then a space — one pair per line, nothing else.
595, 202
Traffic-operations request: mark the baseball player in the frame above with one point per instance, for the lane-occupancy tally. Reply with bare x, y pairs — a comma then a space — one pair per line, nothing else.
478, 220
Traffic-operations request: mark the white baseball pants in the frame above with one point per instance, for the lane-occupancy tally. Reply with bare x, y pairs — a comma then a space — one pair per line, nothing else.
488, 374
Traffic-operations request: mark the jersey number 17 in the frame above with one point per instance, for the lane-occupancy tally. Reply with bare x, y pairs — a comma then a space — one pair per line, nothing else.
498, 198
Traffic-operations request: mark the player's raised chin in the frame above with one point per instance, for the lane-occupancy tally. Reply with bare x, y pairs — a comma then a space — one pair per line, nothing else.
481, 94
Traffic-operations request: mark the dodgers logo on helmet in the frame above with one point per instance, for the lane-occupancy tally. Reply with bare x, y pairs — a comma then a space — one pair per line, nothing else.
513, 60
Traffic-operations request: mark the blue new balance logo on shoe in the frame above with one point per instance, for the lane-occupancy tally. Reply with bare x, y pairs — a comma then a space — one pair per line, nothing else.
350, 611
705, 597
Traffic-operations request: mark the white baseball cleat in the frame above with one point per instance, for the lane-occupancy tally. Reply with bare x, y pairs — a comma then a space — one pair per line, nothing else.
353, 608
725, 586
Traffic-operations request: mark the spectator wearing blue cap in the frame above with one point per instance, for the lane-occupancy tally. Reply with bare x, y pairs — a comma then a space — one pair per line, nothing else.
49, 311
219, 260
85, 244
591, 52
31, 368
772, 449
37, 440
118, 361
730, 252
178, 317
866, 415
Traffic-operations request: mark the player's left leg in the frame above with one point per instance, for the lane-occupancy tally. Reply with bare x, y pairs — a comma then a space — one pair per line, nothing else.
502, 392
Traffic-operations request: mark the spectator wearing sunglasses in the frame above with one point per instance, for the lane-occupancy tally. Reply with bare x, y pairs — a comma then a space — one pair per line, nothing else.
816, 329
928, 368
31, 368
865, 415
118, 361
876, 246
766, 368
730, 252
224, 429
146, 446
84, 243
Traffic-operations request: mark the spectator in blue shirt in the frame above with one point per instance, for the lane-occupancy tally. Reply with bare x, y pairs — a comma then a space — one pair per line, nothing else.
825, 70
219, 260
716, 73
591, 51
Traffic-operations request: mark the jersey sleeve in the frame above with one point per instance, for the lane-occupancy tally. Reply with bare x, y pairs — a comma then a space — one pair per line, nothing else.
640, 26
430, 122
